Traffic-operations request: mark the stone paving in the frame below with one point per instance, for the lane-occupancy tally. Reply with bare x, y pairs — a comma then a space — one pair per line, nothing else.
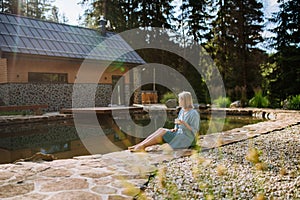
118, 175
16, 119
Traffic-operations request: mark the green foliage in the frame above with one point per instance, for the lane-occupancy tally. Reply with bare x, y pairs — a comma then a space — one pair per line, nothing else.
167, 96
284, 78
9, 113
126, 15
196, 17
238, 59
35, 9
294, 102
222, 102
259, 101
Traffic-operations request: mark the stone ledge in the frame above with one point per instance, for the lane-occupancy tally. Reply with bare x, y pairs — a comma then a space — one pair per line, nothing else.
20, 119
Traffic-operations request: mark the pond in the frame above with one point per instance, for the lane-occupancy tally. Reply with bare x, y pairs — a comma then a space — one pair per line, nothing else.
61, 139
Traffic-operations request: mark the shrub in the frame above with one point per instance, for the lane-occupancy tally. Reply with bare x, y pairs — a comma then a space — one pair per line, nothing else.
167, 96
259, 101
222, 102
294, 102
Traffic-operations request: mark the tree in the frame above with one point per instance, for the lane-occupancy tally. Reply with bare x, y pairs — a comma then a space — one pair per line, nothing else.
120, 13
235, 34
31, 8
155, 14
128, 14
195, 18
56, 16
285, 74
13, 6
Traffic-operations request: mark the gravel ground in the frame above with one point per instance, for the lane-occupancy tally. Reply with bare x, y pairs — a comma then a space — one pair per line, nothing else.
265, 167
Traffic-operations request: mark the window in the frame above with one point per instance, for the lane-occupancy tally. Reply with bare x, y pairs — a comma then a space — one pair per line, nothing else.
36, 77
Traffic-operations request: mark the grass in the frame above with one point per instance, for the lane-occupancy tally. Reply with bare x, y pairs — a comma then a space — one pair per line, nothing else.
12, 113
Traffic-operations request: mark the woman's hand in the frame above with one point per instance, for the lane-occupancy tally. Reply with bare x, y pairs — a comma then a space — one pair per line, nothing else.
181, 122
173, 129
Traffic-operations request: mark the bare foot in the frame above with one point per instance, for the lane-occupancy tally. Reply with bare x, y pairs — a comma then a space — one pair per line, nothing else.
132, 147
137, 148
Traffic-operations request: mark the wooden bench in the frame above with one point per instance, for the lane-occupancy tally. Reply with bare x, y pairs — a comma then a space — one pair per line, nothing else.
37, 109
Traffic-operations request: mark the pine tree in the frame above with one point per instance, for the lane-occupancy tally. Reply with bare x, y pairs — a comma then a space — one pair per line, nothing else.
195, 19
128, 14
31, 8
13, 6
120, 14
111, 10
285, 75
235, 34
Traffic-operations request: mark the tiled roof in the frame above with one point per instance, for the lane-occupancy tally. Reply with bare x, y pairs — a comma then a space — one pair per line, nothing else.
20, 34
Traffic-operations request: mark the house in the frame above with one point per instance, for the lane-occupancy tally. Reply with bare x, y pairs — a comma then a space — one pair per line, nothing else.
40, 60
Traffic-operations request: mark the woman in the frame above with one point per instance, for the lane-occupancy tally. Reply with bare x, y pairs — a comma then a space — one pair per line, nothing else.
183, 135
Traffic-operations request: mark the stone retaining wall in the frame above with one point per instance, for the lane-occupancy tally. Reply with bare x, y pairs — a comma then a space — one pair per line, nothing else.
56, 96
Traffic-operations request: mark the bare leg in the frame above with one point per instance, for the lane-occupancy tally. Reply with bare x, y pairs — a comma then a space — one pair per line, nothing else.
154, 138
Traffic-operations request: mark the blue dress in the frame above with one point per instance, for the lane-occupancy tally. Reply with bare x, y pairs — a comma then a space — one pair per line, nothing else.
183, 137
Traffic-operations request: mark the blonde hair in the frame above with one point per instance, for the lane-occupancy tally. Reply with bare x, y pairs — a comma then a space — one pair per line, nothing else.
186, 99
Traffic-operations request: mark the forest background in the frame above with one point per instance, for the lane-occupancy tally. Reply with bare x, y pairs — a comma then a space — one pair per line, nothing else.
231, 31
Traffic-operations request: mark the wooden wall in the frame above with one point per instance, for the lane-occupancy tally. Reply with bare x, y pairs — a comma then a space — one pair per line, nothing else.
3, 70
18, 67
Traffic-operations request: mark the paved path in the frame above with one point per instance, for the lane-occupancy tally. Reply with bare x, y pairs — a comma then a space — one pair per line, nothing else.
118, 175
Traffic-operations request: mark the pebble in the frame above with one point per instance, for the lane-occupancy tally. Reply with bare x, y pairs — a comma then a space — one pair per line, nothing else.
230, 176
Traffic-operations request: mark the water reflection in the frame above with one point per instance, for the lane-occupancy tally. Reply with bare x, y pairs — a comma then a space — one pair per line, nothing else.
60, 138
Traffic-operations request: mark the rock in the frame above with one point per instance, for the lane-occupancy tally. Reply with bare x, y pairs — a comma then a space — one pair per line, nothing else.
196, 106
236, 104
171, 103
11, 190
38, 157
286, 105
2, 103
203, 106
65, 184
68, 195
